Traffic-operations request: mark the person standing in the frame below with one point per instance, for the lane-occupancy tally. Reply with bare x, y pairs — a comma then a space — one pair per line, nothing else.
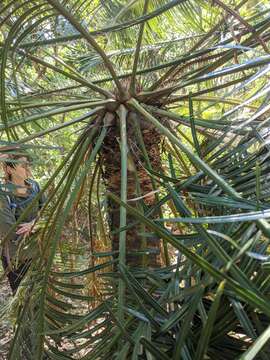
19, 189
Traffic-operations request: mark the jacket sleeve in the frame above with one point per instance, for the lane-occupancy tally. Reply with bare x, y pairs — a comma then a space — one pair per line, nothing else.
7, 219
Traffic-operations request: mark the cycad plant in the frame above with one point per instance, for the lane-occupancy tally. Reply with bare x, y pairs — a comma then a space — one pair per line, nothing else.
166, 107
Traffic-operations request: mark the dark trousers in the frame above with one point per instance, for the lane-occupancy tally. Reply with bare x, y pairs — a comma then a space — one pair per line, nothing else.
15, 276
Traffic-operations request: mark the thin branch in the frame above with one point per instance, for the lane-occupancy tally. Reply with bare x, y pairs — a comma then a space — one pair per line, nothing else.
137, 52
199, 163
195, 47
85, 33
28, 105
45, 93
118, 27
215, 28
206, 91
53, 112
242, 21
122, 113
60, 126
80, 80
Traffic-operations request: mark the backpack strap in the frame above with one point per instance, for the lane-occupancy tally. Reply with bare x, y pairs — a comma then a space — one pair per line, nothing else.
35, 186
11, 204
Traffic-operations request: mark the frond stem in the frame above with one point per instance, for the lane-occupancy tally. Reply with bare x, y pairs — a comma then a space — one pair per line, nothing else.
137, 51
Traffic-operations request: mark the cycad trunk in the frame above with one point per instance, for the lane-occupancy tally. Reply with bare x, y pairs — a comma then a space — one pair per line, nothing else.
139, 184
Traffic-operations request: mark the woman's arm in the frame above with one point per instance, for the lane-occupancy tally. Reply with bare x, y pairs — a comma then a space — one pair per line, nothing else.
25, 228
7, 220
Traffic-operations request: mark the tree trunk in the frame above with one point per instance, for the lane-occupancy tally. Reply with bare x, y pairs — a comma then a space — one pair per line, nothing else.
139, 184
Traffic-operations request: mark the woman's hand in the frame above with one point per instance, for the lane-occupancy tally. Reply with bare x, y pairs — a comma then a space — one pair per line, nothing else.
25, 228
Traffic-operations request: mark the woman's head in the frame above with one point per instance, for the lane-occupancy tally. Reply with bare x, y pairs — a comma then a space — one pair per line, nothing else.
17, 167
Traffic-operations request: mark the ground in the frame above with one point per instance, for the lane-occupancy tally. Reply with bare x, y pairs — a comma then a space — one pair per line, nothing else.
5, 325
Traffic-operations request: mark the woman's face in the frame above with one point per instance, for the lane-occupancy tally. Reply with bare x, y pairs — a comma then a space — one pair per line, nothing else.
21, 170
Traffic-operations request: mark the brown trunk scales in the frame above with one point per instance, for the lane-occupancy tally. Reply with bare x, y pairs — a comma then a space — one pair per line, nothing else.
112, 174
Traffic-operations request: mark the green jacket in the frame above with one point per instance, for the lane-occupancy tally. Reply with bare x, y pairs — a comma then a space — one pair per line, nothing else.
11, 208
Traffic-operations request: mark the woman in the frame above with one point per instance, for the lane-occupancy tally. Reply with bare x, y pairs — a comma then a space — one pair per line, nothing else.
19, 193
